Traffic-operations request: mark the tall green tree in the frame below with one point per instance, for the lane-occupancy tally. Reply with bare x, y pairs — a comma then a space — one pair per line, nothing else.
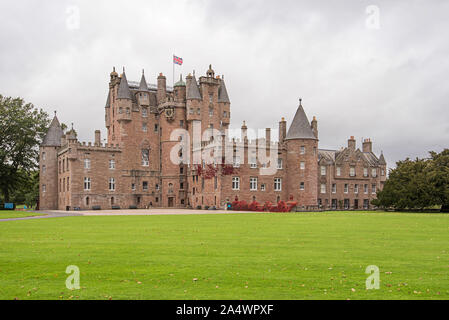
22, 128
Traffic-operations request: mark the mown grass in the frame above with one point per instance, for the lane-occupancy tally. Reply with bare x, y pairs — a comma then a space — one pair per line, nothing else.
227, 256
6, 214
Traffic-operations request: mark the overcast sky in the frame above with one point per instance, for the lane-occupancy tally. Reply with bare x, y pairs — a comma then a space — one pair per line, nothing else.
379, 72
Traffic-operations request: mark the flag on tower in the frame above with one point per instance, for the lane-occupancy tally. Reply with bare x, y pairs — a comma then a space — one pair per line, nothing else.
177, 60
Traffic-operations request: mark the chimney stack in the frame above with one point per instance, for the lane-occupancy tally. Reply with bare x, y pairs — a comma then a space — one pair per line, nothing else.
244, 131
161, 88
314, 126
282, 130
97, 137
351, 143
268, 135
367, 145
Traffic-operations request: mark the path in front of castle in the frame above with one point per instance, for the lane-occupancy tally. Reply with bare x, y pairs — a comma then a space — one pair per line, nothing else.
144, 212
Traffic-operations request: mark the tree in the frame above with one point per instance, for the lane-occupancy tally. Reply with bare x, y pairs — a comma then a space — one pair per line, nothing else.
22, 128
417, 184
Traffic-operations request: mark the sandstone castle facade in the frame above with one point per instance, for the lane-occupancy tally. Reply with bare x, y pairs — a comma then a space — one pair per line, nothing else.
160, 141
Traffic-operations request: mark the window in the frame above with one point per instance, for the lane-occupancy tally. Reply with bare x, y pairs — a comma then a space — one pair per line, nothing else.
302, 165
365, 172
253, 163
253, 184
302, 150
301, 186
157, 186
373, 189
198, 111
87, 201
111, 184
235, 183
156, 128
323, 188
211, 97
44, 167
211, 111
181, 170
338, 171
191, 111
86, 163
352, 171
68, 184
356, 188
279, 163
365, 189
145, 157
236, 162
86, 184
112, 164
374, 172
133, 186
44, 188
334, 188
43, 156
144, 127
224, 114
262, 187
323, 170
145, 185
382, 172
346, 190
277, 184
181, 123
144, 112
112, 201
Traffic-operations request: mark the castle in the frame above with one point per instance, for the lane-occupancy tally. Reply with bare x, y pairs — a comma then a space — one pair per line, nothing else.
169, 147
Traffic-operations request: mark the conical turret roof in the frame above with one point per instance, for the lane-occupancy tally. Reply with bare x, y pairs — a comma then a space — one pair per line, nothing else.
123, 89
223, 93
300, 127
193, 92
54, 134
108, 100
180, 83
382, 159
143, 83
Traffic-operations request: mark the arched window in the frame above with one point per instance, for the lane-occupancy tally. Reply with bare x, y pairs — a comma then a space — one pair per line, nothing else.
87, 201
112, 201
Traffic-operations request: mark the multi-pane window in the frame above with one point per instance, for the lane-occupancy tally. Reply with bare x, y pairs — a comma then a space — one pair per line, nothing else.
373, 189
144, 127
133, 186
145, 185
279, 163
253, 162
302, 165
338, 171
356, 188
346, 190
112, 164
382, 172
323, 188
374, 172
111, 184
43, 155
211, 111
262, 187
44, 168
145, 157
302, 150
86, 183
365, 189
44, 188
86, 163
365, 172
334, 188
323, 170
144, 112
191, 111
235, 183
301, 186
156, 128
352, 171
277, 184
253, 184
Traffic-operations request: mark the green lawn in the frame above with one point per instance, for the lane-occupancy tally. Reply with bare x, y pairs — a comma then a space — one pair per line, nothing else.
6, 214
227, 256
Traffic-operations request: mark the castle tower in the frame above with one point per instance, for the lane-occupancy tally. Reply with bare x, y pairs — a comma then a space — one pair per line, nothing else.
302, 160
48, 162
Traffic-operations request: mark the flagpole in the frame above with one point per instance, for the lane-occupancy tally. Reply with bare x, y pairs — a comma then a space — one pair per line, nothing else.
173, 61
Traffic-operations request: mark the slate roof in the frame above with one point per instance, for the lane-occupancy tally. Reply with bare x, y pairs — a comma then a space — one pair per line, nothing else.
193, 92
223, 93
54, 134
180, 83
143, 84
108, 100
123, 89
300, 127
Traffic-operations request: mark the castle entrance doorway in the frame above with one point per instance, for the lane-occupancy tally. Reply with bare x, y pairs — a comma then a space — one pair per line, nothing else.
171, 202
